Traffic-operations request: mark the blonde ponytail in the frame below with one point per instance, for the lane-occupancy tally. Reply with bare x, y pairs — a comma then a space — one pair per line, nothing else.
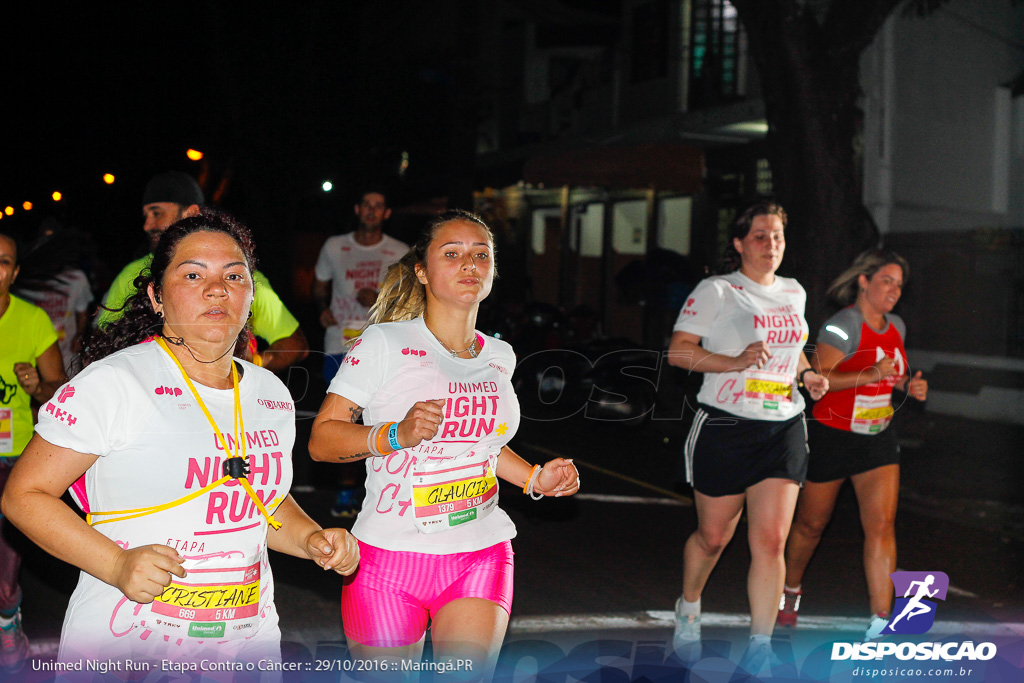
402, 296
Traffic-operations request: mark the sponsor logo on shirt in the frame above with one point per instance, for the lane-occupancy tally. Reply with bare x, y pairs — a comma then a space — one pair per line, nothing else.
414, 352
167, 391
499, 368
62, 415
350, 360
66, 393
276, 405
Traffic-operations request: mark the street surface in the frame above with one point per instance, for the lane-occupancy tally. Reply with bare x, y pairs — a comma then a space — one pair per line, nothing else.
597, 575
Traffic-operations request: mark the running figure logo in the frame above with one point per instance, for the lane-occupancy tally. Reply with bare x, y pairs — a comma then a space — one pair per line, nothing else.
914, 613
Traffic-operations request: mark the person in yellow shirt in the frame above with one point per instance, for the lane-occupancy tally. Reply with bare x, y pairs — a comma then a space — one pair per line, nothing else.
30, 368
168, 198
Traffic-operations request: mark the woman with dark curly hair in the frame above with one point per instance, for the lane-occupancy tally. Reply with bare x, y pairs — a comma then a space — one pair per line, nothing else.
180, 456
745, 330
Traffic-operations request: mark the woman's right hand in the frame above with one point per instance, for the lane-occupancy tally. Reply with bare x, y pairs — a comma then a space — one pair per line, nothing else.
885, 367
142, 573
421, 422
756, 354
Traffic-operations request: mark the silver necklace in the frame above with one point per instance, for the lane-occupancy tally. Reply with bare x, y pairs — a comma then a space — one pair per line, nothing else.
471, 349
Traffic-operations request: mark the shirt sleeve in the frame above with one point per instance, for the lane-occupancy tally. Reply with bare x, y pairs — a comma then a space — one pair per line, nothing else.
323, 263
83, 414
80, 294
120, 289
700, 310
270, 319
362, 371
841, 331
901, 327
45, 335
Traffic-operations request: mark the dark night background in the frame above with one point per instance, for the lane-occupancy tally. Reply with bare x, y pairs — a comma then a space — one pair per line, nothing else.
279, 98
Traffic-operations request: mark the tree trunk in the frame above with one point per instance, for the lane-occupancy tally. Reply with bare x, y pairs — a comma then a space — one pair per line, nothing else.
810, 87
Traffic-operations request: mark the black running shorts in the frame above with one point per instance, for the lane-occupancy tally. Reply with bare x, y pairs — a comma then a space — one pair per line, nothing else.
727, 454
838, 453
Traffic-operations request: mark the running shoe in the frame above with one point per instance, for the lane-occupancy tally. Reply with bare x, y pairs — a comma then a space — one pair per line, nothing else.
877, 625
789, 605
686, 636
757, 656
13, 643
346, 504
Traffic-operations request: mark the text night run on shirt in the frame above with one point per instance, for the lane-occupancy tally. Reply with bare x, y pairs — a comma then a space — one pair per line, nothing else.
229, 502
466, 417
783, 323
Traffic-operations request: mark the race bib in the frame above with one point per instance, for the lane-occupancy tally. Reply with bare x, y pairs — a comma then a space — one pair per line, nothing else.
220, 599
452, 492
871, 414
6, 430
764, 392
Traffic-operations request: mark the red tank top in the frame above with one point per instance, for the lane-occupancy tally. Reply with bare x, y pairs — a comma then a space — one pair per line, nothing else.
866, 409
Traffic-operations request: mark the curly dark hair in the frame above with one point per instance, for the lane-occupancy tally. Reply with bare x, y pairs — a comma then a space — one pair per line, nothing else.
138, 320
731, 260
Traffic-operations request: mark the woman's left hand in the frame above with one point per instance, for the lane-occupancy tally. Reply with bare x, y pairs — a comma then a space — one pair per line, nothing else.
335, 549
558, 477
918, 387
817, 385
28, 377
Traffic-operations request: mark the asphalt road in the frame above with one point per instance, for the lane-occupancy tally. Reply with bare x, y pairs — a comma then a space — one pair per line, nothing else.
605, 566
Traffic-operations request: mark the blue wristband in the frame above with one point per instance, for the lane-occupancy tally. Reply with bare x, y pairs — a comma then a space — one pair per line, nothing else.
393, 437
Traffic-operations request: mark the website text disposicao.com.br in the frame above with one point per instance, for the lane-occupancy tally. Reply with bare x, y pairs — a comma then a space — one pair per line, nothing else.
911, 672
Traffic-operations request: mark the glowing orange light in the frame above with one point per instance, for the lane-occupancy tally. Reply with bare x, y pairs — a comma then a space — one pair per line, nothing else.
27, 206
194, 154
56, 196
9, 210
108, 178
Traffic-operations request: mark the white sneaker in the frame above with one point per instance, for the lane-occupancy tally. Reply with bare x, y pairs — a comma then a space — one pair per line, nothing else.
686, 636
877, 625
757, 657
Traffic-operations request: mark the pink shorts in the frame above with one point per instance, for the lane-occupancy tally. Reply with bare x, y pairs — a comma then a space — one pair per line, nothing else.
393, 595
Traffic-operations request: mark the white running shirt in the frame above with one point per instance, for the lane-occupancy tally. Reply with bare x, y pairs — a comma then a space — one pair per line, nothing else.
350, 266
134, 410
391, 367
730, 312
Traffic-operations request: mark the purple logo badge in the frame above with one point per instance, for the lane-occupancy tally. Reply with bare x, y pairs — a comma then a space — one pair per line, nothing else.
916, 593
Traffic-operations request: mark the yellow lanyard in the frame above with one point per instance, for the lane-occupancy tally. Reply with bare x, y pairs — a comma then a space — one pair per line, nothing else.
239, 452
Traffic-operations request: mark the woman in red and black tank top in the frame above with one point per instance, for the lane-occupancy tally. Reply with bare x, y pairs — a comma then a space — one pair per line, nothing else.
860, 350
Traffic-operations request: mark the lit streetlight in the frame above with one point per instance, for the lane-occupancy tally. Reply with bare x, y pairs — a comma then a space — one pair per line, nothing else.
194, 154
9, 210
328, 186
108, 178
27, 206
56, 196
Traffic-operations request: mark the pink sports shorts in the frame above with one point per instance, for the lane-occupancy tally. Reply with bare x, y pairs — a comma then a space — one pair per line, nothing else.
393, 595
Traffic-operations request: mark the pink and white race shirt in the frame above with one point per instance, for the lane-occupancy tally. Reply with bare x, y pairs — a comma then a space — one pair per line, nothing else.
441, 496
154, 445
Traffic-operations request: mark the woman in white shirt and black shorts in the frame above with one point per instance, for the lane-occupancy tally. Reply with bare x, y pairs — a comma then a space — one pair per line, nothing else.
745, 330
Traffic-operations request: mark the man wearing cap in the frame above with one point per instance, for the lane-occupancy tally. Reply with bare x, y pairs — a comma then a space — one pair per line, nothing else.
168, 198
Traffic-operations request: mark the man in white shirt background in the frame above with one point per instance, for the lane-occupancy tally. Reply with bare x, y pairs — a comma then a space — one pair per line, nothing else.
347, 276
